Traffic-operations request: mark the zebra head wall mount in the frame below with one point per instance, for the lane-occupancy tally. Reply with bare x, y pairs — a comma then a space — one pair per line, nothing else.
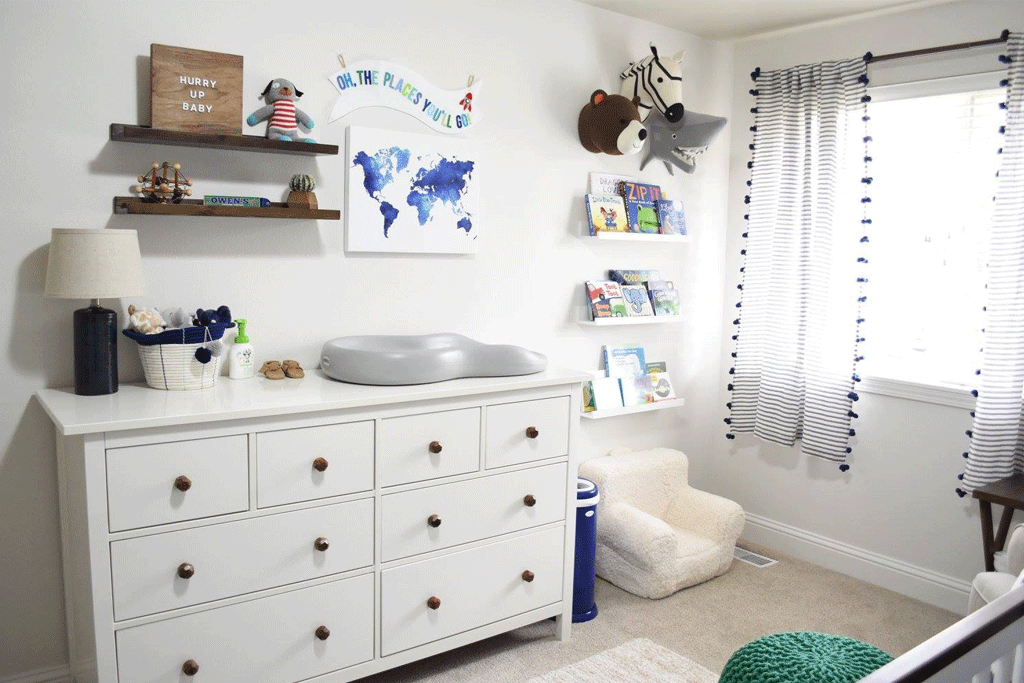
658, 82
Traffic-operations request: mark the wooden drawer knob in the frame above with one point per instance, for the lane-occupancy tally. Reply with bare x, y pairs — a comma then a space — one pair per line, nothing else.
434, 602
528, 576
190, 667
186, 571
321, 544
320, 464
434, 521
323, 633
435, 447
532, 432
529, 501
183, 484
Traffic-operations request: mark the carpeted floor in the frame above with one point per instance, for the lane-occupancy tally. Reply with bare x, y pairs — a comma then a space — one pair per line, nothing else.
706, 623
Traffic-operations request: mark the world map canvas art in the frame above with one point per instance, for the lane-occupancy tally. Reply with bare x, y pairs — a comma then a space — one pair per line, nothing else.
412, 193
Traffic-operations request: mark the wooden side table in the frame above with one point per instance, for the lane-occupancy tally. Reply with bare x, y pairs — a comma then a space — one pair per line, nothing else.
1009, 493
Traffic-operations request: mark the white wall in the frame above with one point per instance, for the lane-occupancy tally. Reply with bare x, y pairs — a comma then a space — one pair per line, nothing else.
894, 517
70, 69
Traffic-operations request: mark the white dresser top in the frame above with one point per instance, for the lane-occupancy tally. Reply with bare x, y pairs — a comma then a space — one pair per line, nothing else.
137, 406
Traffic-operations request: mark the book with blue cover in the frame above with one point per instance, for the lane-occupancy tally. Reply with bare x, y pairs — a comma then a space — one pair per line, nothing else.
664, 297
670, 214
642, 217
633, 277
624, 361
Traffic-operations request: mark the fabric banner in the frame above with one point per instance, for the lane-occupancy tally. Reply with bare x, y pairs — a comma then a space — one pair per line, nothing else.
376, 83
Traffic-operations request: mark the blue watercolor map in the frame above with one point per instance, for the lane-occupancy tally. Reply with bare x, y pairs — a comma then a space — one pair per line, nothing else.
400, 181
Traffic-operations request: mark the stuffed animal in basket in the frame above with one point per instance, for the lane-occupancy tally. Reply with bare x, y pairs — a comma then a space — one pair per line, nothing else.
284, 117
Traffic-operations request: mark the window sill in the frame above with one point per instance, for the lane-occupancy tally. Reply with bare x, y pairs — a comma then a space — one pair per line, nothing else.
943, 395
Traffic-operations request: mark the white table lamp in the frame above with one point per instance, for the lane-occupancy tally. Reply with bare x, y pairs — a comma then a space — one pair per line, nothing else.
94, 264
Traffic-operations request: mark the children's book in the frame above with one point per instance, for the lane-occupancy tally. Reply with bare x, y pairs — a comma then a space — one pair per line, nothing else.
624, 361
642, 216
638, 303
656, 366
664, 297
606, 213
607, 393
588, 397
607, 183
633, 277
639, 192
662, 386
670, 213
606, 299
636, 391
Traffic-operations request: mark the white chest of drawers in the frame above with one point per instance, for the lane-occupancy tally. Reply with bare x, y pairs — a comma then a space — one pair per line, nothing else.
272, 532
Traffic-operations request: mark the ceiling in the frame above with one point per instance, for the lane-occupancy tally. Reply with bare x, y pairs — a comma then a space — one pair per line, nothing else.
730, 19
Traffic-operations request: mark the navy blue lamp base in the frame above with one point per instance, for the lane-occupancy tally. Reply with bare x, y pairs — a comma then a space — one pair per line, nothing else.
95, 351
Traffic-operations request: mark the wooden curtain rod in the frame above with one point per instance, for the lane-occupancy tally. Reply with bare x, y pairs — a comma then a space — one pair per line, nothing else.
870, 58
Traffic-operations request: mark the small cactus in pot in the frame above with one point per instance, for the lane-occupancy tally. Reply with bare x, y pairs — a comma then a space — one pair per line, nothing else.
301, 195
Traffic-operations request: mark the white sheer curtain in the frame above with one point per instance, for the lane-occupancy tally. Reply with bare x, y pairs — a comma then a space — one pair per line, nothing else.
798, 318
997, 436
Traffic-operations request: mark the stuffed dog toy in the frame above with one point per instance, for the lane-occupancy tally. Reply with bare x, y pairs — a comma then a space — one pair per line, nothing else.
280, 95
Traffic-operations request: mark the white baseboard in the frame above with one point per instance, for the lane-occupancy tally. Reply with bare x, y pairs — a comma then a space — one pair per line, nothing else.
52, 674
919, 583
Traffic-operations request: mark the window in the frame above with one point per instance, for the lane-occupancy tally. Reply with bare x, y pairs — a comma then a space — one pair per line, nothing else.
933, 178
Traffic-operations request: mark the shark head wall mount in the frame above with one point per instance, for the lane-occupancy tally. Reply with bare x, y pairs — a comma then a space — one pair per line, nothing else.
679, 144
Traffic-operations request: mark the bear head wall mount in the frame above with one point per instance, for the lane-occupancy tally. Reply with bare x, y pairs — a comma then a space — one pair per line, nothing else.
611, 124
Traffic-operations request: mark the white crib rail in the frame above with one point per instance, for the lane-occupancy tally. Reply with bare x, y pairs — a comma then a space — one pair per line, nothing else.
984, 647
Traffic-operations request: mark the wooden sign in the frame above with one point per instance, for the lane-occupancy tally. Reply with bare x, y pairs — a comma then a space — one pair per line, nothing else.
195, 91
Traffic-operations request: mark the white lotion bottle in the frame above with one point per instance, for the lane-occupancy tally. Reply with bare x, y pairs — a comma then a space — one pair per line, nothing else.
242, 360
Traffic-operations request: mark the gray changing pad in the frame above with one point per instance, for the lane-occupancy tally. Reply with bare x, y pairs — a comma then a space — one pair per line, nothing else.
422, 359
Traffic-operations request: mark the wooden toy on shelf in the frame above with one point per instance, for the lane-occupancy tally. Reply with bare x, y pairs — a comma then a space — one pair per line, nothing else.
159, 187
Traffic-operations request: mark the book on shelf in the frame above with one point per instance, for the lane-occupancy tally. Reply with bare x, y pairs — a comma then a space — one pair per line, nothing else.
661, 386
656, 366
605, 393
608, 183
606, 213
639, 192
633, 277
605, 297
637, 391
642, 217
638, 302
670, 213
624, 361
664, 297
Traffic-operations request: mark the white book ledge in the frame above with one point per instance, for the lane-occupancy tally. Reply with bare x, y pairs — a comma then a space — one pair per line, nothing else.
637, 320
638, 237
646, 408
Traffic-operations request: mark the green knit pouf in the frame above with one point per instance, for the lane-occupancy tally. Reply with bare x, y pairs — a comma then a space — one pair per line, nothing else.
803, 658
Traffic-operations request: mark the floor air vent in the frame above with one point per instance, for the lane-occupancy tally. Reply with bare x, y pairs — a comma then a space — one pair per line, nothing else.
753, 558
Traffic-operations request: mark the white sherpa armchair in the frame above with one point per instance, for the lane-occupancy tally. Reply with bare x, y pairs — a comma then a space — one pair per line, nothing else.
987, 586
655, 534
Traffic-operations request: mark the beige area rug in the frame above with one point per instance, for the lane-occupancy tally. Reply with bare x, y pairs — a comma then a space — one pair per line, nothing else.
638, 661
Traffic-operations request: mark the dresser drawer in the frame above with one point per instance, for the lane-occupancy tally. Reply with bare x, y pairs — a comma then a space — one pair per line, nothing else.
419, 521
421, 447
270, 640
294, 465
475, 587
144, 489
527, 431
238, 557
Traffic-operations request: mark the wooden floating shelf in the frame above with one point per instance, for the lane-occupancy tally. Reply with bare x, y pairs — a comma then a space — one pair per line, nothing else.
638, 320
122, 132
631, 410
195, 207
638, 237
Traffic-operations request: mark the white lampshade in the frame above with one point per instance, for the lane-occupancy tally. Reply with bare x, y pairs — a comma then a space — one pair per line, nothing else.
94, 264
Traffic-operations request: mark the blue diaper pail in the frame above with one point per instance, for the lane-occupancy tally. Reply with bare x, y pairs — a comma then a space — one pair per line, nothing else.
583, 606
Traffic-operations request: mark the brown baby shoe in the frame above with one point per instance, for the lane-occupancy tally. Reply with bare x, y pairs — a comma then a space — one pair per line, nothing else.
272, 370
293, 370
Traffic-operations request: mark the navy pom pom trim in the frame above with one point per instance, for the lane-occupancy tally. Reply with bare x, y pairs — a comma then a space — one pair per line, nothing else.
203, 355
961, 493
844, 468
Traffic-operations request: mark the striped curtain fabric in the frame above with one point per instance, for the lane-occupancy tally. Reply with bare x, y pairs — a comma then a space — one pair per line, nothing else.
798, 318
997, 436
